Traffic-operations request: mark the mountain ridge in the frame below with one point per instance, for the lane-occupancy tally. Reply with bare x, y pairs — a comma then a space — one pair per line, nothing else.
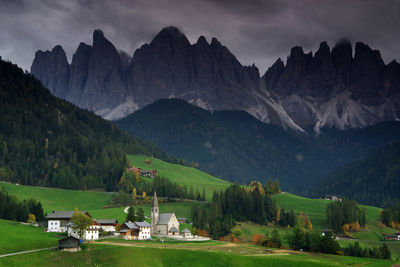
328, 89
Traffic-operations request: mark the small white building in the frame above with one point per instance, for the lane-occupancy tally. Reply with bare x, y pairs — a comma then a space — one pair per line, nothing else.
186, 233
91, 233
107, 225
58, 220
136, 231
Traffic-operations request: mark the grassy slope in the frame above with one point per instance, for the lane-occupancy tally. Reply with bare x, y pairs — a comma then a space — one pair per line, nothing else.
16, 237
315, 209
106, 255
60, 199
181, 174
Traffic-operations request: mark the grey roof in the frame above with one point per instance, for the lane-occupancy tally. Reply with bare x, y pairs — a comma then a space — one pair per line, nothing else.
124, 231
155, 200
107, 221
131, 225
185, 231
164, 218
62, 214
143, 224
173, 229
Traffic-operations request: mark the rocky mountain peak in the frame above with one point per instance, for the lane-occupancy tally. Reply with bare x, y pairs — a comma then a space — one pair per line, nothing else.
170, 36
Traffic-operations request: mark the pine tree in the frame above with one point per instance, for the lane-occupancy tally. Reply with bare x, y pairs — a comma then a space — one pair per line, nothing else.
131, 215
140, 215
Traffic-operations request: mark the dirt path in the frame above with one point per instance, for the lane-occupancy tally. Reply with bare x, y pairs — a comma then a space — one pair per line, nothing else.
126, 209
26, 251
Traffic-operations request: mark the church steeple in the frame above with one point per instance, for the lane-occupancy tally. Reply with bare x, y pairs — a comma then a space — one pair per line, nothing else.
155, 200
154, 213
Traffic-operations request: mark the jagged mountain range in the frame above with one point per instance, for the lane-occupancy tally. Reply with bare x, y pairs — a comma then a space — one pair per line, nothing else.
331, 88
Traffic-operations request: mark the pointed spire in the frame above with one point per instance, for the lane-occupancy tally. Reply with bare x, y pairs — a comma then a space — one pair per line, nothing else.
155, 200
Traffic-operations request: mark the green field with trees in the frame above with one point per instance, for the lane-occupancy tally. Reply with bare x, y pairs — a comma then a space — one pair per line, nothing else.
183, 175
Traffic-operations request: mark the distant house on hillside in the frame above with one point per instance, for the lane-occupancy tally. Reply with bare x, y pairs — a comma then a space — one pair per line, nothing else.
135, 170
70, 244
332, 197
149, 173
395, 236
135, 231
182, 220
58, 220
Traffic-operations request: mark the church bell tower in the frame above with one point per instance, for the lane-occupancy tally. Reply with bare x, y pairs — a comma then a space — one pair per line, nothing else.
154, 213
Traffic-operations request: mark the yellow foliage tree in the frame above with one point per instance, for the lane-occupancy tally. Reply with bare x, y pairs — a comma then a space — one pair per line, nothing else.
31, 218
134, 194
144, 194
278, 214
300, 220
309, 225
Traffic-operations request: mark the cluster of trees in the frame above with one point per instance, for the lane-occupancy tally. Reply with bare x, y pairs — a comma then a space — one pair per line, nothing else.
285, 218
47, 141
135, 217
131, 183
356, 250
345, 216
22, 211
273, 241
391, 216
234, 204
301, 239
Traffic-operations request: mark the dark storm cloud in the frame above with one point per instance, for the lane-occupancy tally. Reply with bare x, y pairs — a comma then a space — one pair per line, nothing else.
255, 31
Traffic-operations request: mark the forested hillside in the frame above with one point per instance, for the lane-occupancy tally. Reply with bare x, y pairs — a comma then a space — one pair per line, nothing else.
374, 180
236, 146
49, 142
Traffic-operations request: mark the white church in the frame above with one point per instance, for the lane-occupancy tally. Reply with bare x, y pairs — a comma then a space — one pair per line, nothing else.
163, 223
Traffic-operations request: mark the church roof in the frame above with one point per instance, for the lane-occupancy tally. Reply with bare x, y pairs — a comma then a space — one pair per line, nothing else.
155, 200
173, 229
164, 218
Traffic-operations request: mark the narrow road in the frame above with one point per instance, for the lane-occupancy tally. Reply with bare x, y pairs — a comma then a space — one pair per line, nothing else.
26, 251
126, 209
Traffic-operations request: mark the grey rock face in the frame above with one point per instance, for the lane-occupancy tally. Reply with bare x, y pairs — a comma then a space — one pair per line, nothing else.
52, 69
328, 89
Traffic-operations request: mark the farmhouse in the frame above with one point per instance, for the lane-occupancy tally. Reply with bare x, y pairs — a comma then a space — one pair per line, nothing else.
58, 220
332, 197
135, 231
163, 223
91, 233
107, 225
149, 173
70, 244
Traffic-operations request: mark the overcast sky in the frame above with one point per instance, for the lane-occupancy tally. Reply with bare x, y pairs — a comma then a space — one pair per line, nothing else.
255, 31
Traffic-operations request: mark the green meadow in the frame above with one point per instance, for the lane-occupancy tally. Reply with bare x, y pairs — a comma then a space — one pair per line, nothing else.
182, 175
16, 237
115, 255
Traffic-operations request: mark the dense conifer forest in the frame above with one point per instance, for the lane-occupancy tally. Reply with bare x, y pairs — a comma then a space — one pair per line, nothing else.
47, 141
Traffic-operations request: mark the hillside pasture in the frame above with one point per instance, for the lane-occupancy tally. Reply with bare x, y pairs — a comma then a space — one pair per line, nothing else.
182, 175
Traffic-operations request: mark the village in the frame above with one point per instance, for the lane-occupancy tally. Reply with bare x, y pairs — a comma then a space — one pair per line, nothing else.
162, 225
